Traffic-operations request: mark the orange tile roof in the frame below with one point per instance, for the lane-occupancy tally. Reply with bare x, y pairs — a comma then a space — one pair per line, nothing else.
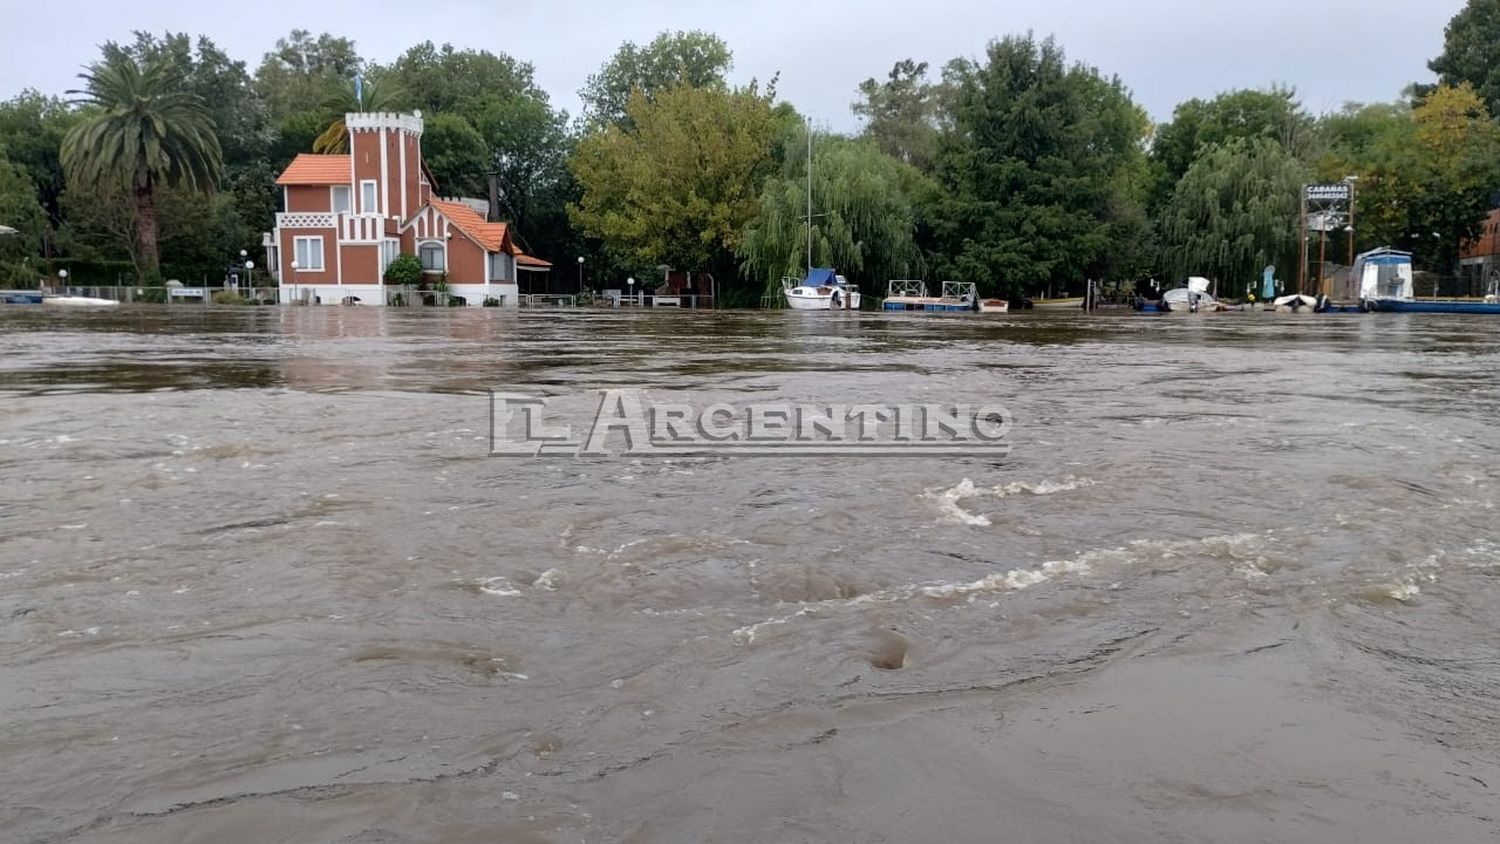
309, 169
492, 236
527, 261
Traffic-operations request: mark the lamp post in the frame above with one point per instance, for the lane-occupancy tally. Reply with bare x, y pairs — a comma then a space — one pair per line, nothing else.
294, 282
630, 286
243, 256
250, 277
580, 274
62, 278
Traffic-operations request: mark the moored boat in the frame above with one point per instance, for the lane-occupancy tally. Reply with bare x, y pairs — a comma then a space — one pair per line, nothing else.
911, 295
1387, 284
78, 302
994, 306
822, 290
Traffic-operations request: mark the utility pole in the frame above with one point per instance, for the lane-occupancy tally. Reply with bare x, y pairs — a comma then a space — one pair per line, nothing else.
1302, 244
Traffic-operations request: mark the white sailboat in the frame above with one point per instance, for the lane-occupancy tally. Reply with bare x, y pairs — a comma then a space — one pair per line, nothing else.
822, 289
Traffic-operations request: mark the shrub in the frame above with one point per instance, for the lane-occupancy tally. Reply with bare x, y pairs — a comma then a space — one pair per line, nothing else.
491, 302
229, 297
406, 269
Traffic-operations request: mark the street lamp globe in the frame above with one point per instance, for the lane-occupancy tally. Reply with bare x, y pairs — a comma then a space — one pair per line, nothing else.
249, 265
294, 266
62, 274
243, 253
580, 259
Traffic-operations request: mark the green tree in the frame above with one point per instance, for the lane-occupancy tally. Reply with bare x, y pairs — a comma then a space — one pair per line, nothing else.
20, 210
32, 127
529, 146
678, 184
1276, 114
143, 132
1234, 212
456, 154
445, 80
901, 113
1040, 171
864, 216
344, 98
695, 59
1471, 52
297, 75
1429, 182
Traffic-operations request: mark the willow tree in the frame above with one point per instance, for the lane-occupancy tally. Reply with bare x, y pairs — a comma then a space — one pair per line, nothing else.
1233, 212
144, 131
676, 184
864, 216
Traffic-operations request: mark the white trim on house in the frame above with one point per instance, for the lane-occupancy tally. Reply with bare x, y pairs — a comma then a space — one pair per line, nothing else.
402, 157
297, 242
385, 177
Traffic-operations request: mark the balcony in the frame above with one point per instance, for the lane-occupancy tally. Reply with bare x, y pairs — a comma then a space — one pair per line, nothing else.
304, 220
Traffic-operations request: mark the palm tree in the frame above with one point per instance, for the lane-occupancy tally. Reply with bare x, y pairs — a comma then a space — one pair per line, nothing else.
145, 132
342, 100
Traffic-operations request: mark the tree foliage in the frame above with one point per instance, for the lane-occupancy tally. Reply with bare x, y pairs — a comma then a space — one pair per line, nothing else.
1471, 52
694, 59
1428, 181
864, 223
1234, 212
146, 132
1040, 173
901, 113
676, 185
1275, 114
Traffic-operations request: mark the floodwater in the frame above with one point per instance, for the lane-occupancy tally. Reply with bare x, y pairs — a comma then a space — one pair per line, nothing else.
1238, 581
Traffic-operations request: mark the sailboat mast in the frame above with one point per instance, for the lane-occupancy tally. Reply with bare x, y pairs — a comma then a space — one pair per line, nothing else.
809, 198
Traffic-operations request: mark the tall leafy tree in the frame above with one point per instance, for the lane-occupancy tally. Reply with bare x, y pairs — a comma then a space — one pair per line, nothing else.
864, 216
1471, 52
1233, 213
695, 59
1429, 181
144, 132
447, 80
1275, 114
456, 153
901, 113
344, 97
296, 76
19, 210
1040, 172
32, 127
677, 184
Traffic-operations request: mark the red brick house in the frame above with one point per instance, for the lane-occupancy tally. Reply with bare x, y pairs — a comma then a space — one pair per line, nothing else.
1480, 261
348, 216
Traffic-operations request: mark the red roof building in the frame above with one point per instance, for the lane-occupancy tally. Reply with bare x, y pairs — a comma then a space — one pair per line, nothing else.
347, 217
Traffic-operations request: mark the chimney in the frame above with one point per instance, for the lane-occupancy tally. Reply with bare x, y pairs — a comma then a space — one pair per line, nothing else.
494, 214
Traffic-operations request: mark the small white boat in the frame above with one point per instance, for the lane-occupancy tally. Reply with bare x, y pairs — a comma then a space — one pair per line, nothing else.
1073, 303
1191, 299
79, 302
994, 306
822, 290
1298, 303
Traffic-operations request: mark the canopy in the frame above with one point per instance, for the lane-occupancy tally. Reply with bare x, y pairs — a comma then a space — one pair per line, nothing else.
822, 277
1198, 285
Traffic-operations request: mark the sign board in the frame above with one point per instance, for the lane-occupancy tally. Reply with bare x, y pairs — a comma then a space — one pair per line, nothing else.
186, 292
1328, 193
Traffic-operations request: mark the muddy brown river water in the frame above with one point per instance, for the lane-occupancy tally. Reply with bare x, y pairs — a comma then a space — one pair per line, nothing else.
1238, 581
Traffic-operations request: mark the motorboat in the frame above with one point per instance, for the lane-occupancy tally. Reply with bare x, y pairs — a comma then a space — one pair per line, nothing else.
1191, 299
994, 306
1387, 284
1297, 303
822, 290
79, 302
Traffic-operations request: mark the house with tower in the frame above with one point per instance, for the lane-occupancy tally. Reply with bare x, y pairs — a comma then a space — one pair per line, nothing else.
347, 217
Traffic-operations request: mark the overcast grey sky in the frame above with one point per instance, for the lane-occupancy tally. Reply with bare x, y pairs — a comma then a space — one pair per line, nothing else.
1166, 51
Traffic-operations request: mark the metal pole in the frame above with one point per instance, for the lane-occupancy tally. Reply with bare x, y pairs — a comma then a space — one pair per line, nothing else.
1302, 245
1352, 229
809, 198
1322, 251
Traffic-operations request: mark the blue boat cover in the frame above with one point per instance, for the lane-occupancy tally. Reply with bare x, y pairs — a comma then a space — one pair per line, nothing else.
822, 277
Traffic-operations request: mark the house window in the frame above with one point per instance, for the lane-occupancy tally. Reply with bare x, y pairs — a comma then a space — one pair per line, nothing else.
309, 253
432, 257
367, 197
497, 267
388, 252
341, 199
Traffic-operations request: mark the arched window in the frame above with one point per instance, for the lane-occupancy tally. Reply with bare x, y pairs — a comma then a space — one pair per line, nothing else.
434, 258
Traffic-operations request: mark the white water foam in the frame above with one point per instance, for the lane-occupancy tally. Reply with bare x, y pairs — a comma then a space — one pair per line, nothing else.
953, 513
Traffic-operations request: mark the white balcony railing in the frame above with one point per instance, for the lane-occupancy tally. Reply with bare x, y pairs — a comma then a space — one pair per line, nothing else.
304, 220
361, 228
